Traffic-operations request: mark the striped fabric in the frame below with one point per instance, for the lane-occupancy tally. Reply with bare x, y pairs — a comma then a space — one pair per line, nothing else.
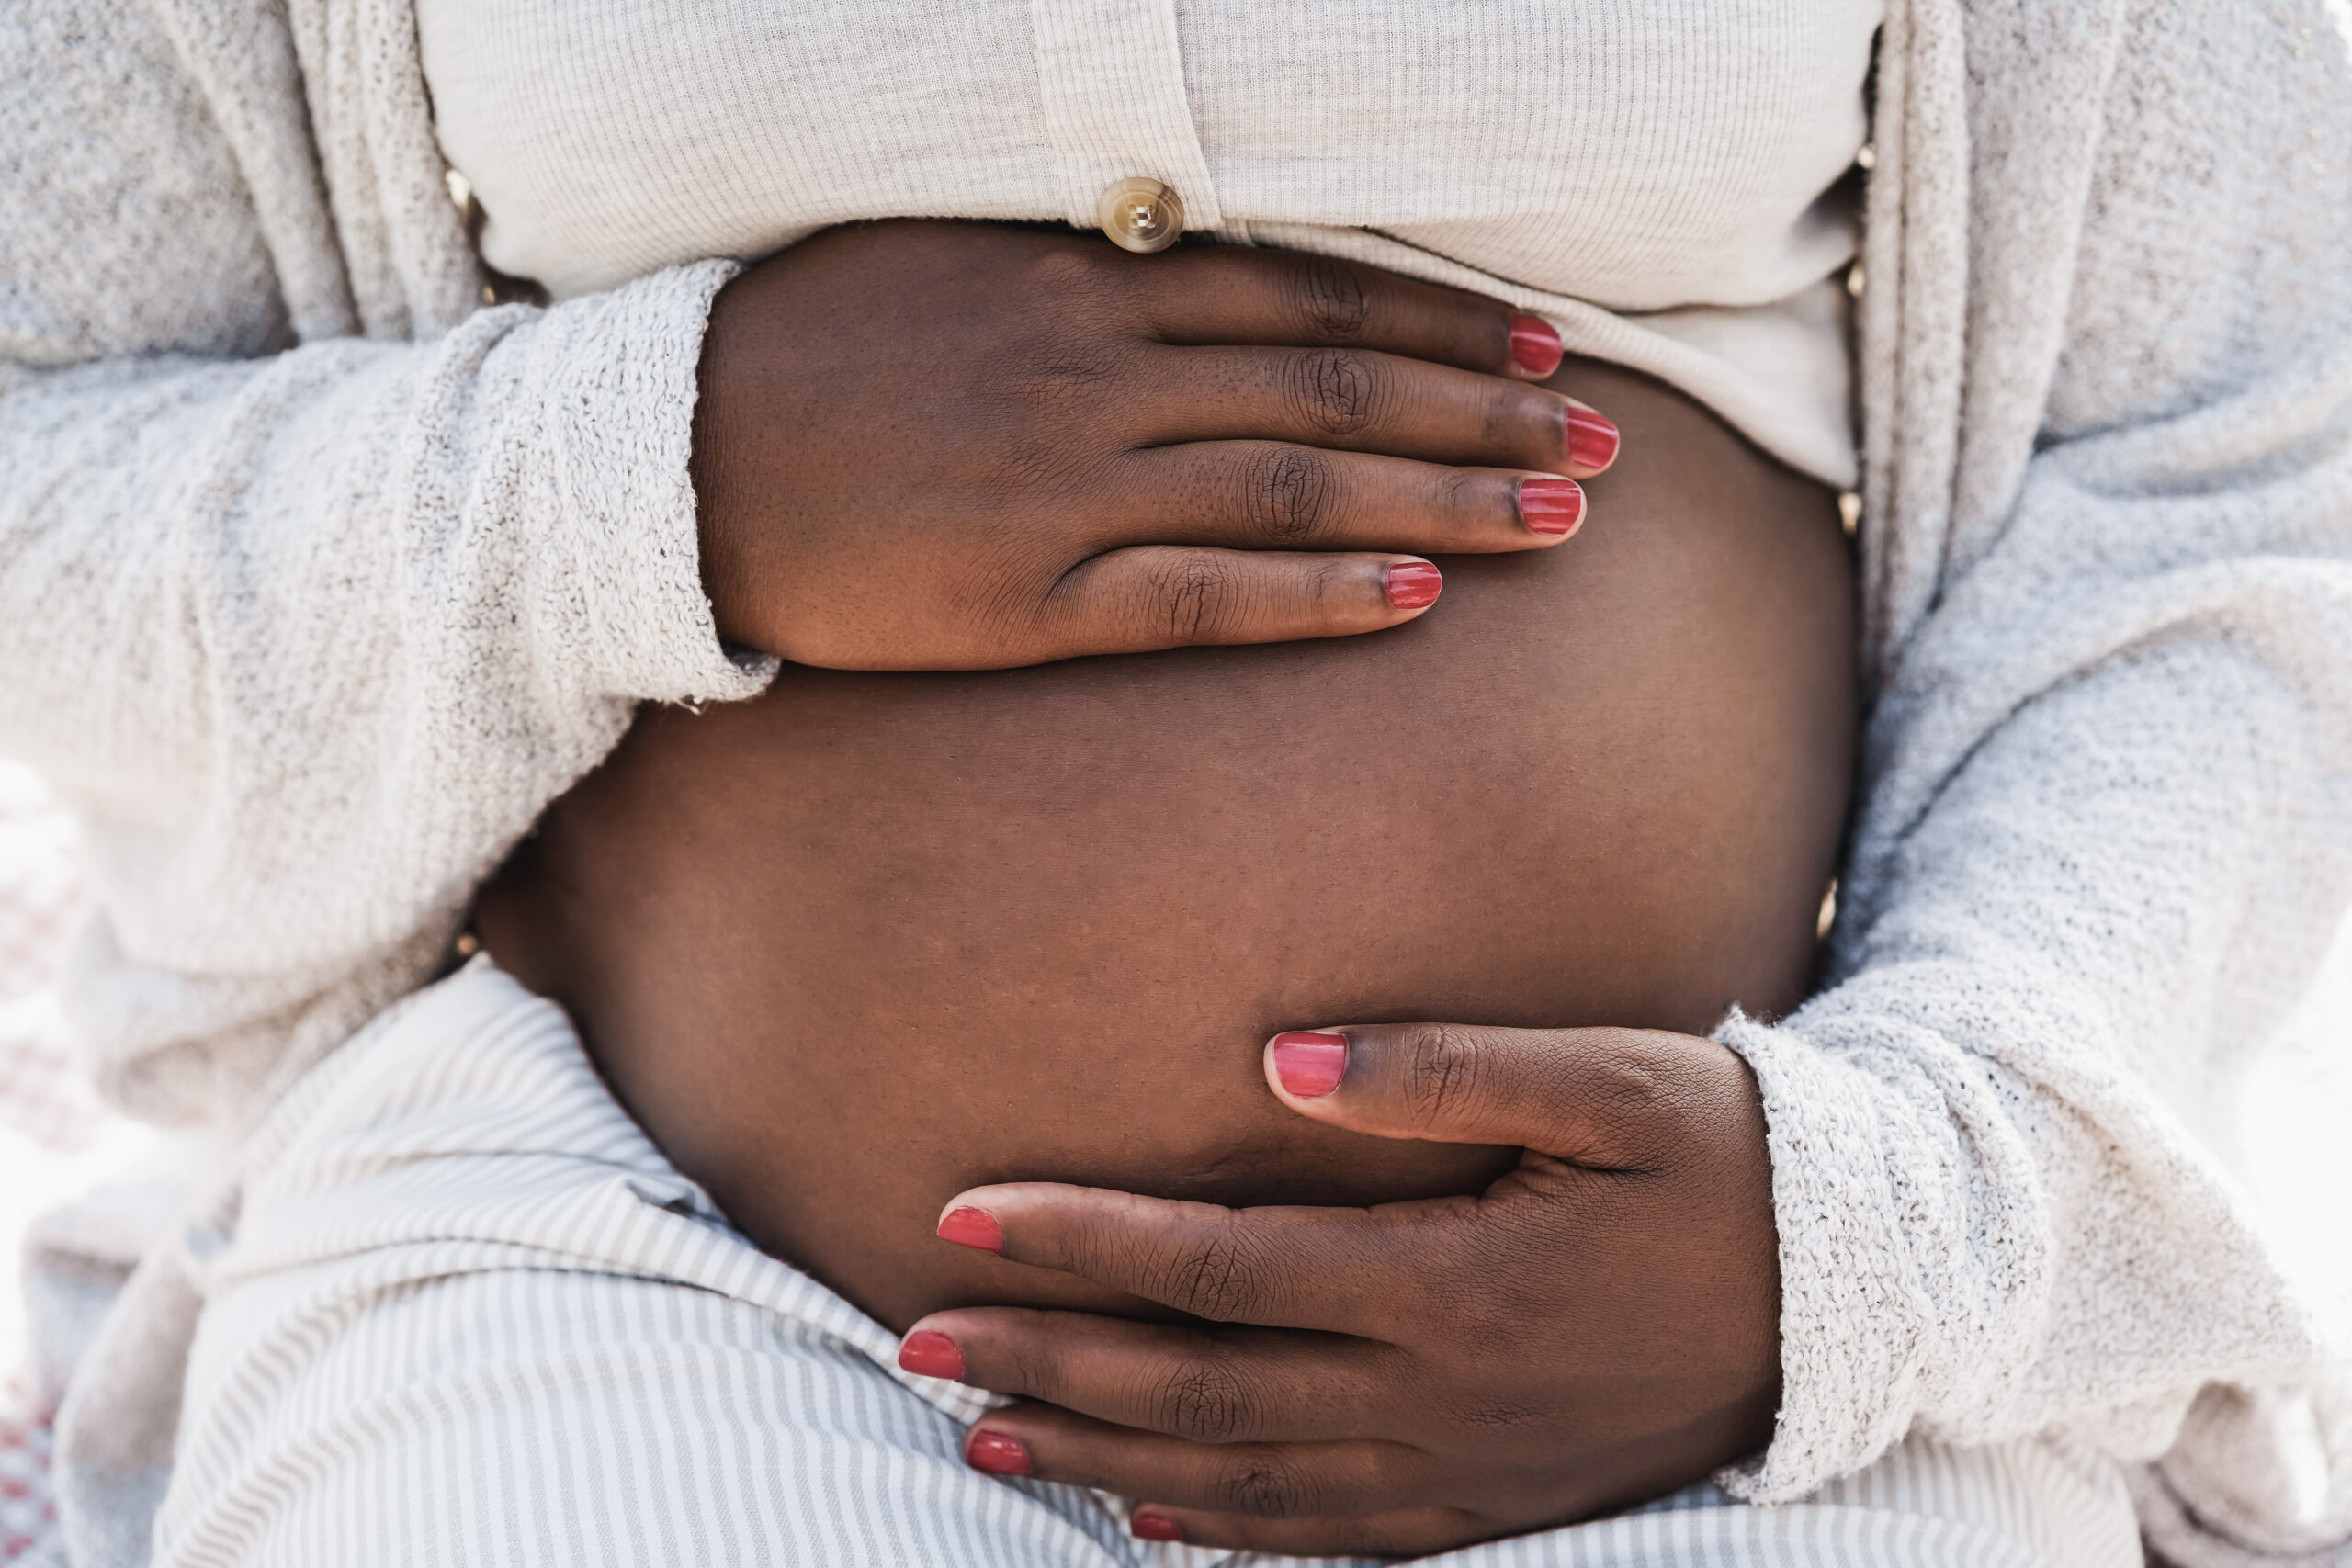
467, 1314
46, 1116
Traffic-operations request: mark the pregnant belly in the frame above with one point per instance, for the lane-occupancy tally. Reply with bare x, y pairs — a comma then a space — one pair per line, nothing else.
873, 938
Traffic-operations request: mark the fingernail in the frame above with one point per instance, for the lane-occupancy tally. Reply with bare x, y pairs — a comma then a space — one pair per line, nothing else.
1551, 506
1592, 440
1534, 346
931, 1354
1153, 1527
972, 1228
1413, 583
997, 1454
1310, 1065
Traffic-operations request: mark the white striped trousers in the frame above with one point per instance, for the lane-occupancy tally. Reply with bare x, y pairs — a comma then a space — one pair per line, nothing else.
468, 1314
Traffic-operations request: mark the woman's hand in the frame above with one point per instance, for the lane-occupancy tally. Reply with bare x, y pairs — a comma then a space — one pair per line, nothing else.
926, 445
1599, 1327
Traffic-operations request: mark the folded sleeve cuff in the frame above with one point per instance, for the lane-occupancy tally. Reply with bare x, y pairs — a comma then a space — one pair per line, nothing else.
622, 412
1853, 1317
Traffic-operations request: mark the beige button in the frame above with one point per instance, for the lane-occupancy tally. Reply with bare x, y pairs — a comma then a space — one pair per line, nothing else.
1141, 214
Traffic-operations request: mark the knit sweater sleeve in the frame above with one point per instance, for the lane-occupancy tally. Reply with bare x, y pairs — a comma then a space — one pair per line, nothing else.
308, 635
2106, 836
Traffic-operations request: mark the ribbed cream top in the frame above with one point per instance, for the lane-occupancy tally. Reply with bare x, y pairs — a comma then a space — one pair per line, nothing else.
1659, 177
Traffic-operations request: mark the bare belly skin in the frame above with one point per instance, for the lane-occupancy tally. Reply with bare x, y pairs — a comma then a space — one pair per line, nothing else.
873, 938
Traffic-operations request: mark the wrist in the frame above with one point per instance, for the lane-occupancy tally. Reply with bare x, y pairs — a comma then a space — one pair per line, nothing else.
720, 442
614, 435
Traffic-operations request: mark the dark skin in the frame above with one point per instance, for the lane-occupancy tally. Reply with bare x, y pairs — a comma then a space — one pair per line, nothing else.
1596, 1326
1018, 939
954, 446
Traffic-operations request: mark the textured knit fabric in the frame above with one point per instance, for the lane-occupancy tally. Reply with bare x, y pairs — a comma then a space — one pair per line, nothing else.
315, 586
306, 635
1661, 180
466, 1313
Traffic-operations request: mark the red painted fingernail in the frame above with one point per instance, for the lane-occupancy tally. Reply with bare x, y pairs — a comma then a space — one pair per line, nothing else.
1413, 583
997, 1454
931, 1354
972, 1228
1153, 1527
1592, 440
1310, 1065
1534, 346
1551, 506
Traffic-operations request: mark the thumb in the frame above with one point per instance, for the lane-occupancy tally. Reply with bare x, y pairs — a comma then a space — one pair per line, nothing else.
1616, 1099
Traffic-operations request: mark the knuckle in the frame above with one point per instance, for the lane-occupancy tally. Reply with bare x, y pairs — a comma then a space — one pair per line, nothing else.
1463, 497
1331, 299
1215, 1278
1501, 1415
1289, 494
1337, 391
1329, 589
1441, 1069
1198, 596
1072, 372
1258, 1483
1014, 473
1206, 1402
1517, 413
1075, 276
1028, 1365
1628, 1085
1483, 1309
1514, 416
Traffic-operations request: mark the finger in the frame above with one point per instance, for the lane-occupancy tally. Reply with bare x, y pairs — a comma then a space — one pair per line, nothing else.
1360, 1271
1617, 1098
1392, 1533
1222, 1385
1275, 1480
1226, 294
1356, 399
1271, 495
1153, 596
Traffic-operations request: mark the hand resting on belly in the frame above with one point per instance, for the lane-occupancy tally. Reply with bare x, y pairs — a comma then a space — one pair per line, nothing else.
877, 938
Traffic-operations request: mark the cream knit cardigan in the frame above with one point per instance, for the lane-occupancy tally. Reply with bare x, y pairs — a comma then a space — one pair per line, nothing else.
308, 635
